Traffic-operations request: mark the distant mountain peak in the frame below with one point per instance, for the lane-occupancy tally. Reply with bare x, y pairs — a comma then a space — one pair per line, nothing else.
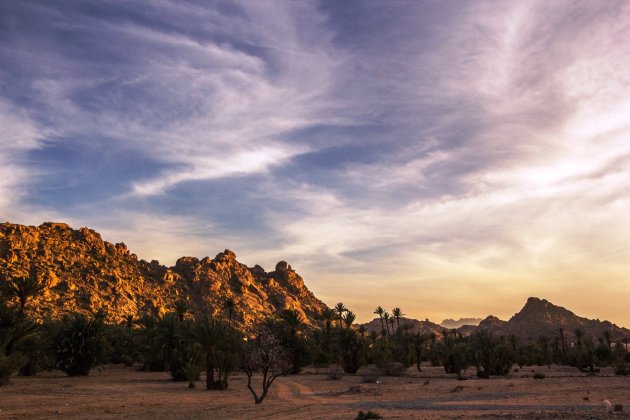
451, 323
539, 317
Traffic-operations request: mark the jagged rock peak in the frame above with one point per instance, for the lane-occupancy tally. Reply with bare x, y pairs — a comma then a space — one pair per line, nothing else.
283, 266
186, 261
226, 255
57, 225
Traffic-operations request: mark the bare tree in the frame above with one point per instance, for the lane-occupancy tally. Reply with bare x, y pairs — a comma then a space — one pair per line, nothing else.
263, 353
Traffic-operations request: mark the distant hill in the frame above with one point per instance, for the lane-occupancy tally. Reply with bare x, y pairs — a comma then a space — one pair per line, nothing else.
84, 273
539, 317
451, 323
425, 326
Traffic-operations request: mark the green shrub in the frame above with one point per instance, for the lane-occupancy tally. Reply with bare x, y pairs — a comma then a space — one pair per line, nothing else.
391, 368
334, 373
79, 344
15, 330
9, 365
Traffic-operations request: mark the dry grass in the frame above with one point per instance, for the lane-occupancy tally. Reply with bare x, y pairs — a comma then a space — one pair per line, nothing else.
119, 392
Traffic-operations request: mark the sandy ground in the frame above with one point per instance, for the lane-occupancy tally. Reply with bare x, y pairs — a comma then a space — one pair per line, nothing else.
119, 392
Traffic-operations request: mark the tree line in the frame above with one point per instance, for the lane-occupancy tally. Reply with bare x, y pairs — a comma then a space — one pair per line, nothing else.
186, 344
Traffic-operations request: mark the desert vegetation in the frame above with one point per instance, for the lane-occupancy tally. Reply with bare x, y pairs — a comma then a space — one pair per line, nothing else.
186, 343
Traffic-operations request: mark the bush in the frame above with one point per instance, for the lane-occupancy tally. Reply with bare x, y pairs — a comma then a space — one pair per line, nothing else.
622, 368
370, 376
368, 415
539, 375
392, 368
335, 373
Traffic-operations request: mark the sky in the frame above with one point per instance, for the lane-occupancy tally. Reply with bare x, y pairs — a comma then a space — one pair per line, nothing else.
449, 158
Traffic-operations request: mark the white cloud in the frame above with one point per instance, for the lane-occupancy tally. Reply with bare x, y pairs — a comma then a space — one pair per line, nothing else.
18, 135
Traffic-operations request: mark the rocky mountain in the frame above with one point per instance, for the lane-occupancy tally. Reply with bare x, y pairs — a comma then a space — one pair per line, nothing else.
82, 272
451, 323
540, 317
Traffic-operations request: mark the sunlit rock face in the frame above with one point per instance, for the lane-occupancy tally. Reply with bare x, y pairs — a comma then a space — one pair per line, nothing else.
84, 273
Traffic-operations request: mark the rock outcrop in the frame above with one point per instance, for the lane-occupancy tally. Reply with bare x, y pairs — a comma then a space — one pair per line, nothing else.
84, 273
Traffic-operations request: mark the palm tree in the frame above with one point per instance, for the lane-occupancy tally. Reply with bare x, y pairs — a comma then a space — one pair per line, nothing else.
340, 309
328, 316
169, 333
230, 306
24, 288
349, 318
181, 309
129, 321
397, 314
386, 319
419, 341
292, 319
564, 345
216, 340
380, 311
543, 343
578, 335
79, 343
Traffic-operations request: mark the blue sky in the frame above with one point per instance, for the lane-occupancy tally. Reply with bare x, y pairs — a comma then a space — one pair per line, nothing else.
451, 158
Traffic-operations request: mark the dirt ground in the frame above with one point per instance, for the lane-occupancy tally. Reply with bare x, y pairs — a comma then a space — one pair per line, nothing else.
124, 392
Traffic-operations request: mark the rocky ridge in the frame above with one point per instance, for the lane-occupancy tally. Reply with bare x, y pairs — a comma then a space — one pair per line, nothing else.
84, 273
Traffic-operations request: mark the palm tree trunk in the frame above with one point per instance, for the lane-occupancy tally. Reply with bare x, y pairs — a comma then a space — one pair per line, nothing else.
209, 372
